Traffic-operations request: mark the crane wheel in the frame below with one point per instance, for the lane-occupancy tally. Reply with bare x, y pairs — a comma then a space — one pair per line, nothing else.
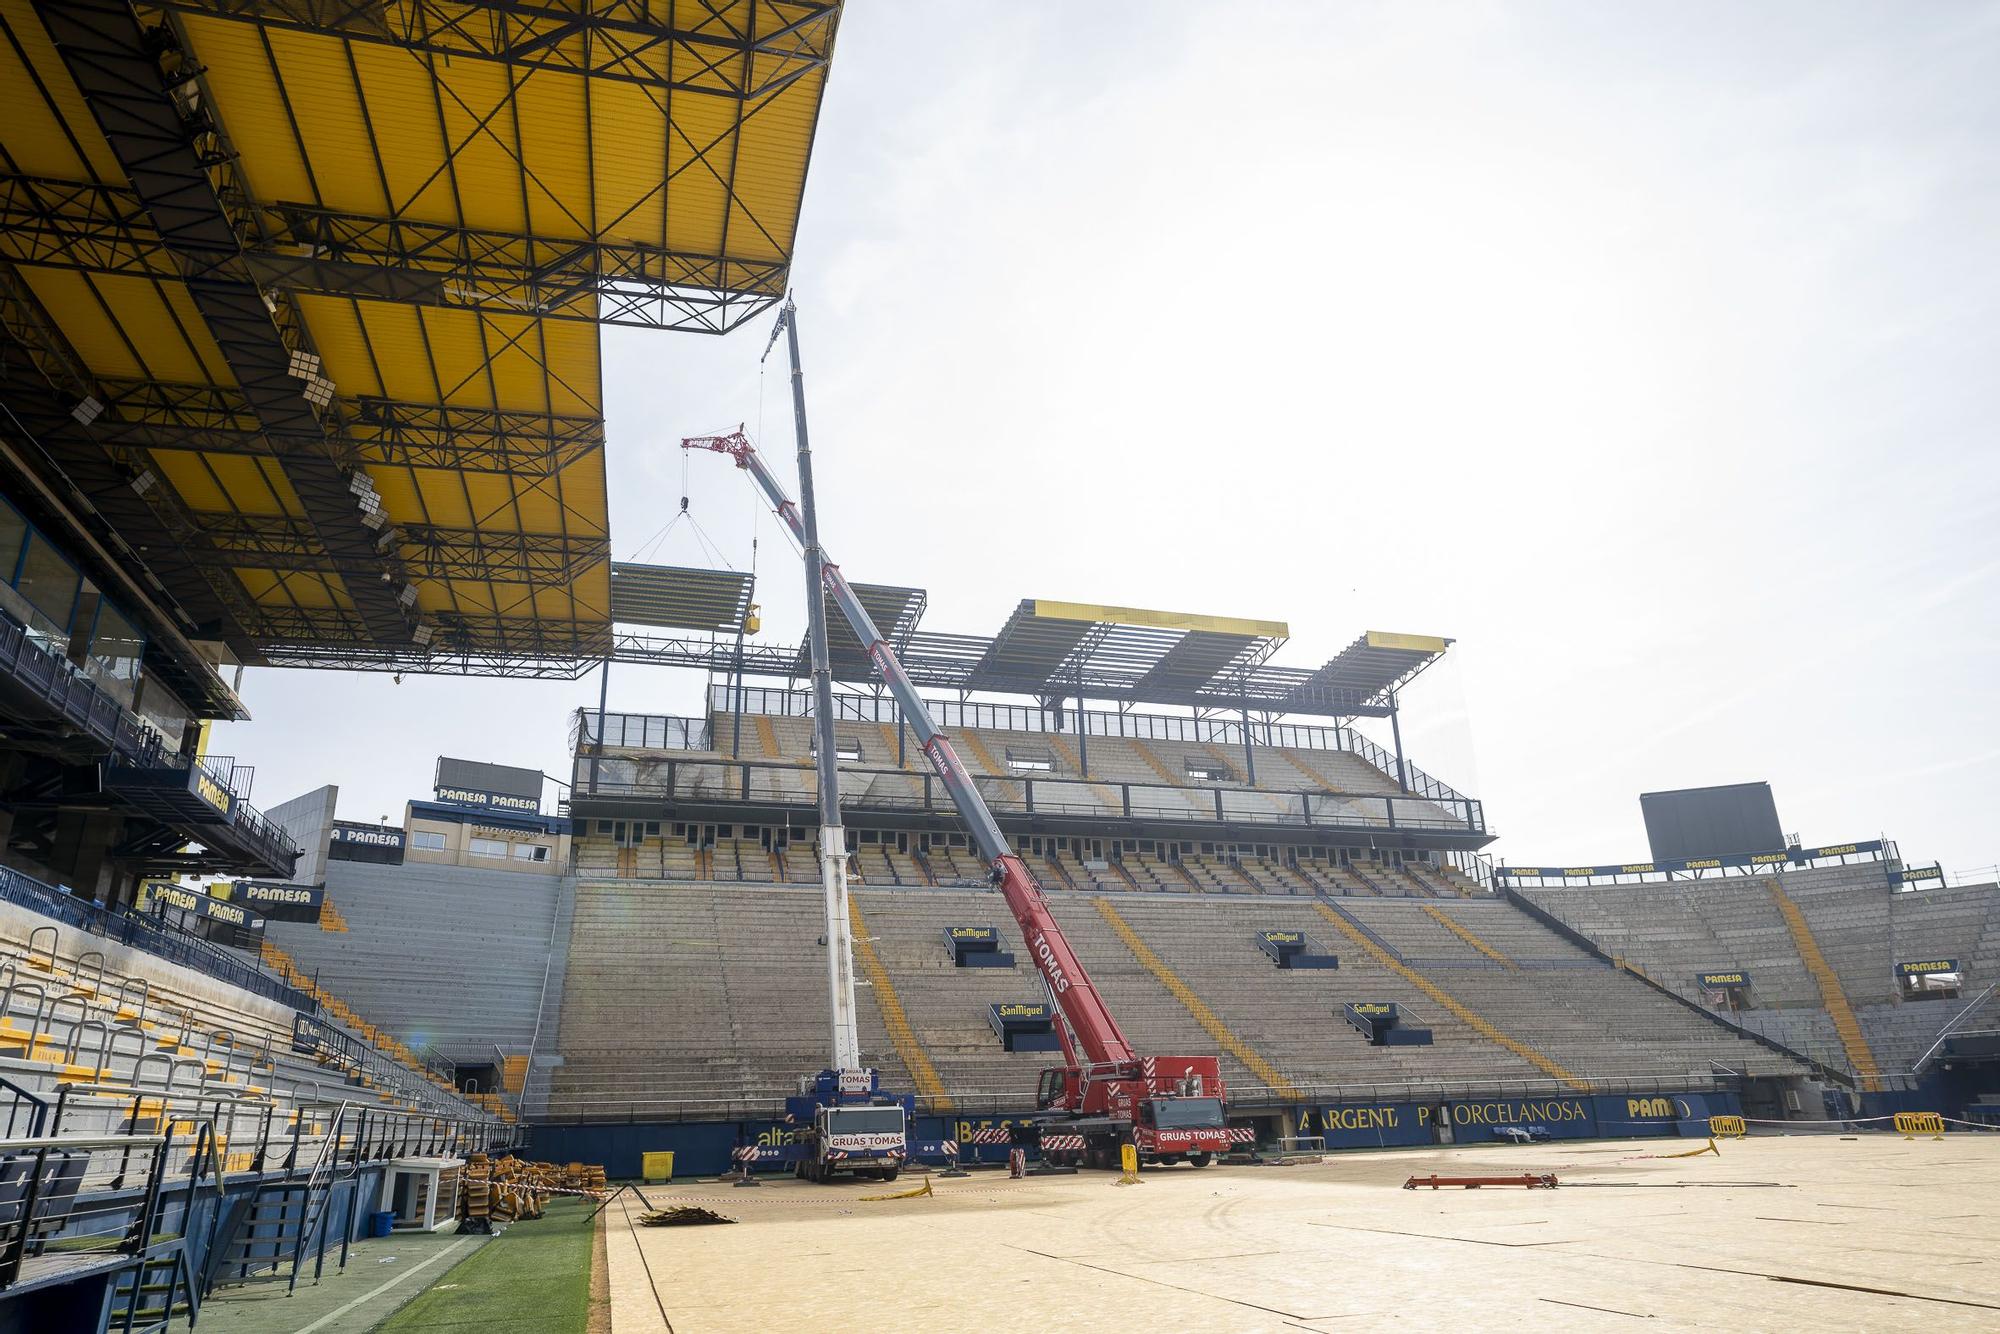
1200, 1159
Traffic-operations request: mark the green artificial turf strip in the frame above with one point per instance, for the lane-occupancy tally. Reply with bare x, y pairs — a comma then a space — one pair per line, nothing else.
534, 1276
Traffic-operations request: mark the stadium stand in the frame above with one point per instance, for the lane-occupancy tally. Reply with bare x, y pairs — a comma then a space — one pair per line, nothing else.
732, 990
484, 937
133, 1055
694, 1001
1820, 945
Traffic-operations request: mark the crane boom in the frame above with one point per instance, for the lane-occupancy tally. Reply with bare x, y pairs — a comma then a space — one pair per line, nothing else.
1097, 1034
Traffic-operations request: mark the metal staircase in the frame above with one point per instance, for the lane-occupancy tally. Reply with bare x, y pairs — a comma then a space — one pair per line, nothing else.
268, 1234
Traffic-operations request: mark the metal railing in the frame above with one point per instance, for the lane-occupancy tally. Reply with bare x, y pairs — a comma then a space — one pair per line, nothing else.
1951, 1028
68, 1195
143, 933
69, 693
29, 667
644, 731
698, 779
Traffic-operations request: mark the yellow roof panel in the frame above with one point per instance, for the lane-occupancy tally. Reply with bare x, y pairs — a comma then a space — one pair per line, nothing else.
479, 188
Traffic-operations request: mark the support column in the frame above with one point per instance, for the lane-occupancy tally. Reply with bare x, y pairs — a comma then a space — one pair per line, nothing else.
736, 703
1249, 753
80, 857
1396, 731
11, 765
597, 750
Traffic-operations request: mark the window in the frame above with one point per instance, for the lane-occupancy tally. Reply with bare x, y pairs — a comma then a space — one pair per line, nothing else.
1208, 771
13, 536
115, 647
530, 852
50, 585
428, 839
1032, 763
487, 847
842, 749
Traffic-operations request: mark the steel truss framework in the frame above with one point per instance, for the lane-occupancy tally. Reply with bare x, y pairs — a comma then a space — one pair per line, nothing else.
168, 157
275, 541
243, 274
214, 419
105, 469
712, 52
107, 229
958, 662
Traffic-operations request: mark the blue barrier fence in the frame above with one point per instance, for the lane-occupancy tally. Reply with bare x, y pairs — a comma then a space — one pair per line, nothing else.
142, 933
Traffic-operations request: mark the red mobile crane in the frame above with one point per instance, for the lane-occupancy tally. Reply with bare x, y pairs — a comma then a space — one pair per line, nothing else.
1169, 1107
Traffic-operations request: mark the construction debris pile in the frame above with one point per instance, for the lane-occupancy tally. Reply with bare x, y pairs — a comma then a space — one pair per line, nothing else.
500, 1191
684, 1215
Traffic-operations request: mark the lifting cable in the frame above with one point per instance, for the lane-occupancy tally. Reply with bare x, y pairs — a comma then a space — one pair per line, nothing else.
709, 548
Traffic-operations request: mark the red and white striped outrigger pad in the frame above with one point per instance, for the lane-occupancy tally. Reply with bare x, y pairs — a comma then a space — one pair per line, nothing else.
993, 1135
1062, 1142
1242, 1134
743, 1153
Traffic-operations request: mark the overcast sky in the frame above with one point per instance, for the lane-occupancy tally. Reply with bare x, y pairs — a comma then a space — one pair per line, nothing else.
1646, 351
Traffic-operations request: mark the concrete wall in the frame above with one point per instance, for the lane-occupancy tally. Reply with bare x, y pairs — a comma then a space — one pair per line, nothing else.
308, 822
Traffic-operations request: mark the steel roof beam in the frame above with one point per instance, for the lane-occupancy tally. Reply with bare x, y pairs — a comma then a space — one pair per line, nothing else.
107, 229
956, 669
167, 158
603, 39
465, 645
148, 518
217, 419
278, 542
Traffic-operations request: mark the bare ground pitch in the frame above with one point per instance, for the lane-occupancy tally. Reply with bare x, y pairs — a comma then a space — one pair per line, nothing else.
1869, 1233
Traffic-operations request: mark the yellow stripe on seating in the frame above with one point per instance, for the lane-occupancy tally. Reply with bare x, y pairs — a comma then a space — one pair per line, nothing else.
1469, 1017
767, 738
980, 753
1832, 995
1204, 1016
915, 1059
1068, 756
1310, 770
1281, 805
889, 740
1459, 929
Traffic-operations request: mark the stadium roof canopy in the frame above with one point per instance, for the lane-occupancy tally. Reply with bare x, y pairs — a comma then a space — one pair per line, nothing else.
302, 296
676, 597
895, 612
1376, 665
1064, 650
1057, 648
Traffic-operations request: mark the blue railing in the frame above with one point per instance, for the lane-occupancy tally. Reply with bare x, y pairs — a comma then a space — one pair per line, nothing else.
63, 690
142, 933
73, 696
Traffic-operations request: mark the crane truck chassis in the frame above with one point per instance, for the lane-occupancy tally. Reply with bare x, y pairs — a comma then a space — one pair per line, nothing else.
846, 1124
1170, 1108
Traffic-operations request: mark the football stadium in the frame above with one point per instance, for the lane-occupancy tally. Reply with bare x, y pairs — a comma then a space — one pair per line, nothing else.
1086, 965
